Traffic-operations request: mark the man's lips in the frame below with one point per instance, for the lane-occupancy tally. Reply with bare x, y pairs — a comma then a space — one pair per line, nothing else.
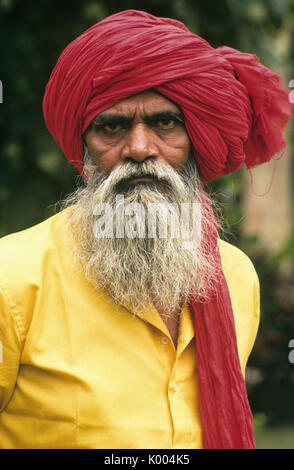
132, 181
139, 179
143, 179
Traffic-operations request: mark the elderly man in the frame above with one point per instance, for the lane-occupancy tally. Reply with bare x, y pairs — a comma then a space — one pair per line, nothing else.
118, 328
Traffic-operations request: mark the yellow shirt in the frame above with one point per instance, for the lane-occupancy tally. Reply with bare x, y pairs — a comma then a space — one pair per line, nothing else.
77, 371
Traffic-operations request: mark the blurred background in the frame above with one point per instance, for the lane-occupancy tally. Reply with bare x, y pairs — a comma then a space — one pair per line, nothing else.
35, 175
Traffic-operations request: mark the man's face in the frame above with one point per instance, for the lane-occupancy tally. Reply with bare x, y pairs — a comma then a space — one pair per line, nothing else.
139, 149
143, 127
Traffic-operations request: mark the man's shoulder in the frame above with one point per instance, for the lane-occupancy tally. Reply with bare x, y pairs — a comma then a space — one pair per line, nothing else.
23, 250
25, 257
32, 234
243, 285
236, 263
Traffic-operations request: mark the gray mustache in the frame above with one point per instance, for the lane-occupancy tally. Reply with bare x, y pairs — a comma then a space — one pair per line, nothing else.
141, 170
161, 174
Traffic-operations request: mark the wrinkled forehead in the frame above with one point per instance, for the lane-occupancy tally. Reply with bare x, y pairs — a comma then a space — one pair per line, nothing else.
146, 102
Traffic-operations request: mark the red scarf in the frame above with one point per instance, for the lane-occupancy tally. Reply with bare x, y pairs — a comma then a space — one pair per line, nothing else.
234, 110
226, 416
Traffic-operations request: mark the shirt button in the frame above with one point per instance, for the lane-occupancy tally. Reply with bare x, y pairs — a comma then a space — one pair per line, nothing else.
164, 340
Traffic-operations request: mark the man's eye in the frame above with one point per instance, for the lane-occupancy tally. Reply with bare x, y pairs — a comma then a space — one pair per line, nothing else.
166, 123
111, 128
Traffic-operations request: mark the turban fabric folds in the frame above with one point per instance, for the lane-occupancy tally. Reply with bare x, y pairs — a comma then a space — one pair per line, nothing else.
234, 109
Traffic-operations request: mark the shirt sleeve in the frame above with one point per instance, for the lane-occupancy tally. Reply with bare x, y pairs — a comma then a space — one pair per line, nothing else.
243, 284
253, 325
10, 351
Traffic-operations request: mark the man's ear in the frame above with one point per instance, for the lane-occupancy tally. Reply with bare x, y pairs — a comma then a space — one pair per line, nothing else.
85, 149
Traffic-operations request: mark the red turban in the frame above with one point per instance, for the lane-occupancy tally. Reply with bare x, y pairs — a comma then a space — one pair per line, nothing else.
234, 109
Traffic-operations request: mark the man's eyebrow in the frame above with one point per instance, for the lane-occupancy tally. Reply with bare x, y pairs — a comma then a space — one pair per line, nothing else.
166, 115
111, 119
149, 118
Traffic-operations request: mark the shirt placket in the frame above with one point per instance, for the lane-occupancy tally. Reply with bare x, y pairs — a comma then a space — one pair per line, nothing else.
173, 356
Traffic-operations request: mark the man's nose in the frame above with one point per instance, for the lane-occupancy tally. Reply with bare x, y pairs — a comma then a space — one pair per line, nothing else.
139, 144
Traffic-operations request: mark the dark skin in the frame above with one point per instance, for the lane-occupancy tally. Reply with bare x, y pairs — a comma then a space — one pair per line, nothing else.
146, 125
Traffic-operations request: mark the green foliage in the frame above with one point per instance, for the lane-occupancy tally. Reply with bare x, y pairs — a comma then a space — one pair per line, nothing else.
275, 438
259, 423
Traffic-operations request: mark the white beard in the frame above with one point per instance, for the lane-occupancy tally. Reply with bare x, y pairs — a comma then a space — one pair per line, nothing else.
138, 271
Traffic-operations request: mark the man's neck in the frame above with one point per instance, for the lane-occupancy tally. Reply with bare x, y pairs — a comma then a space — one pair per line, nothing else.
171, 320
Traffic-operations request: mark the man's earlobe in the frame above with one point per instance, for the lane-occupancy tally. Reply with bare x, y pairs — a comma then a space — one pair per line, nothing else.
85, 151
